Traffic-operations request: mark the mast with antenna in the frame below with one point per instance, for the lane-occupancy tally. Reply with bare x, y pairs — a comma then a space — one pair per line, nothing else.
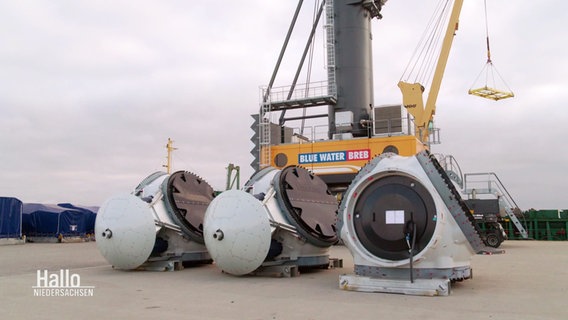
170, 148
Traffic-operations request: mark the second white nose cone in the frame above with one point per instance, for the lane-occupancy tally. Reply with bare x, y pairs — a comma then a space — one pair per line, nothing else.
237, 232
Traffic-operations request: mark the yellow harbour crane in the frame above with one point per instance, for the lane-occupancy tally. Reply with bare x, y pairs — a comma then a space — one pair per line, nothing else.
357, 130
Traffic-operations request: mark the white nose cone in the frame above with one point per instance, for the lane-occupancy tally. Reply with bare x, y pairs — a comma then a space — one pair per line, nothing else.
125, 231
236, 230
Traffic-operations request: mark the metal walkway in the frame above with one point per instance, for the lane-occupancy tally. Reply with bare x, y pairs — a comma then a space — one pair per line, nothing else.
488, 183
300, 96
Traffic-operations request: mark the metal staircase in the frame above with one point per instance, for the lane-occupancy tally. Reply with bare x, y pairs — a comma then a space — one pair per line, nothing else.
488, 183
452, 168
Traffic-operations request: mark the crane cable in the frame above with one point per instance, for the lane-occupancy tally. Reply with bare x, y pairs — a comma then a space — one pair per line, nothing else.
487, 32
422, 63
309, 71
486, 91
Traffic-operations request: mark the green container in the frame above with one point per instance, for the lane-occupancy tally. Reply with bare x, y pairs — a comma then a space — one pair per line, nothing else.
540, 225
547, 214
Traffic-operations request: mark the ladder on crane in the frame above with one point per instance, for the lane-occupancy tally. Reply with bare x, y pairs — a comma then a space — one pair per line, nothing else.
330, 47
264, 129
488, 183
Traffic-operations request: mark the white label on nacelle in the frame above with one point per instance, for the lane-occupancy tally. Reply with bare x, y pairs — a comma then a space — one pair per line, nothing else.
394, 216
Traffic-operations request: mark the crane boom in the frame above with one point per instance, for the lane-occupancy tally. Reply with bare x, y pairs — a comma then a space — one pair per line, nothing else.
412, 92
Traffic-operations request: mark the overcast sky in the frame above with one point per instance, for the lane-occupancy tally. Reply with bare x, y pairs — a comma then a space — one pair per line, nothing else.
90, 91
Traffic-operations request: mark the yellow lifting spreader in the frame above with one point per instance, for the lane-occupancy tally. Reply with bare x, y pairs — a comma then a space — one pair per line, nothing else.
491, 93
488, 91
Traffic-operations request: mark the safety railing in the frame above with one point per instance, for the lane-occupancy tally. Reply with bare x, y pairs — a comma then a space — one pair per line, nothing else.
452, 168
394, 126
300, 91
488, 183
381, 128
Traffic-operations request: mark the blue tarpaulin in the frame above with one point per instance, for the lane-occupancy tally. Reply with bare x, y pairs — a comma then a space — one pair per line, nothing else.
89, 212
50, 220
10, 218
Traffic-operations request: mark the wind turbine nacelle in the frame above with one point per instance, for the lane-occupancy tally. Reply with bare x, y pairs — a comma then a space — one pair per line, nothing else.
406, 227
156, 226
284, 218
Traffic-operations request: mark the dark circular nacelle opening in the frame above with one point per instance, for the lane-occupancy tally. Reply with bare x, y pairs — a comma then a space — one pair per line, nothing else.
310, 207
187, 196
382, 213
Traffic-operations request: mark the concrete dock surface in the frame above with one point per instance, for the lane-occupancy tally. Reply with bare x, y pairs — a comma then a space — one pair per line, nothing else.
529, 281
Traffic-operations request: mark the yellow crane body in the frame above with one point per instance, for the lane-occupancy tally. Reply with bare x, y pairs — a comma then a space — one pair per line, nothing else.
337, 161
